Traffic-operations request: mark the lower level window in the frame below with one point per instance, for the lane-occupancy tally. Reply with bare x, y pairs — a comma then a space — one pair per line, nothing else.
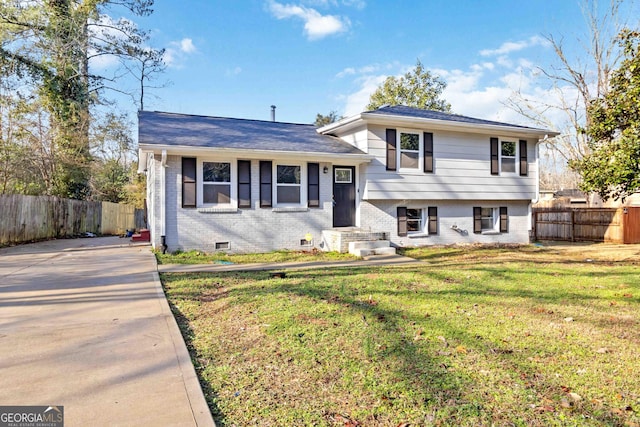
414, 220
288, 183
216, 183
489, 218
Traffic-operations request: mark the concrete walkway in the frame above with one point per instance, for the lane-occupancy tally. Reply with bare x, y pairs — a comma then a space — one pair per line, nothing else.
84, 324
376, 260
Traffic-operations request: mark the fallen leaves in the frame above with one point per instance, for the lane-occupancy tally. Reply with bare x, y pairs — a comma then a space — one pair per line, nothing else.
343, 420
461, 349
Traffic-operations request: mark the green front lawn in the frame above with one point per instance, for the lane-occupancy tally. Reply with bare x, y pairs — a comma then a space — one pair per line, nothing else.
472, 337
197, 257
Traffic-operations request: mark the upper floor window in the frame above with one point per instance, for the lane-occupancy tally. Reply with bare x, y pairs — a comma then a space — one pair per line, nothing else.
409, 150
508, 156
216, 183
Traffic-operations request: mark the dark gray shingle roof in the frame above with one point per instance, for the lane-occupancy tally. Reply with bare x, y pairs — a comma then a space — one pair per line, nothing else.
402, 110
221, 132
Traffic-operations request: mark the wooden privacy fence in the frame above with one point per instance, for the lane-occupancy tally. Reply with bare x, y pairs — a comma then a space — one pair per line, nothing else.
29, 218
612, 225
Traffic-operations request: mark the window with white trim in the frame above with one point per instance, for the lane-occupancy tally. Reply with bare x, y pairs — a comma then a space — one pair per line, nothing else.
410, 144
415, 220
489, 219
216, 183
343, 175
289, 188
508, 153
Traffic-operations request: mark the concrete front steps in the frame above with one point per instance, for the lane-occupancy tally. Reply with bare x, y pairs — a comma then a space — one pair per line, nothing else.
371, 247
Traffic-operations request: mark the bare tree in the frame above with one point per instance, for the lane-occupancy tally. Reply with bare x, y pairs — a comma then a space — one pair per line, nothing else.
574, 81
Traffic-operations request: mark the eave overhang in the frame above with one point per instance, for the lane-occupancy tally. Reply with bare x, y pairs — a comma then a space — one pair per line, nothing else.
253, 154
344, 125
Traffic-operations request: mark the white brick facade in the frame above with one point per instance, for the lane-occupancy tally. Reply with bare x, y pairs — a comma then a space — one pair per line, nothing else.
247, 230
381, 215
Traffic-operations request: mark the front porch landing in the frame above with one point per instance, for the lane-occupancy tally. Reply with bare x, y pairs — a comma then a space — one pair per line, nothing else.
351, 239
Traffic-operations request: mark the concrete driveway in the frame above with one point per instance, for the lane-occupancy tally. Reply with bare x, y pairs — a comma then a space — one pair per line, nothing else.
84, 324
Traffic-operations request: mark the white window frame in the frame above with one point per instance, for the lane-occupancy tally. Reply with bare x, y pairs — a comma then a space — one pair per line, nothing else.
423, 220
335, 175
233, 193
420, 150
495, 217
302, 185
514, 157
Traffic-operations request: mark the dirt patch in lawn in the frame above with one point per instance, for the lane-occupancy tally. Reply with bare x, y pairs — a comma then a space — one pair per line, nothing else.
594, 251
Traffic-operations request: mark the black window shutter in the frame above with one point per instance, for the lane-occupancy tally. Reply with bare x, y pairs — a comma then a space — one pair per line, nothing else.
244, 183
265, 184
402, 221
523, 158
428, 152
188, 182
391, 149
477, 219
433, 219
504, 220
313, 184
495, 169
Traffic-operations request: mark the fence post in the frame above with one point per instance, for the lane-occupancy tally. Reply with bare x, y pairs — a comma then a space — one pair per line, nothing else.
573, 224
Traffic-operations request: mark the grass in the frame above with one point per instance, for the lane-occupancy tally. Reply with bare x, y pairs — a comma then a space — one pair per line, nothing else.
500, 336
197, 257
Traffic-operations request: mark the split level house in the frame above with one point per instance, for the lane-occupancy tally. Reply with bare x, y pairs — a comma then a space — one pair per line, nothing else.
400, 175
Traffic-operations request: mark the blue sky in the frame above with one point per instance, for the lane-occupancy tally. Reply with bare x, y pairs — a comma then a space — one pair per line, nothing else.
237, 58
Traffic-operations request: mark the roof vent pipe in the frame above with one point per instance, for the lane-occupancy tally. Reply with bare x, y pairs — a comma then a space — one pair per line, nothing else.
273, 113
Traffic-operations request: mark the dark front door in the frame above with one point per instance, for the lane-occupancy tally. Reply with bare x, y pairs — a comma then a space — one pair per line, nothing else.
344, 196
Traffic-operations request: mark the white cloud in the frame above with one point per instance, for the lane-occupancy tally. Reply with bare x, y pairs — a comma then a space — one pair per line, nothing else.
349, 71
233, 71
356, 102
105, 28
509, 47
483, 90
177, 52
186, 45
316, 25
367, 69
358, 4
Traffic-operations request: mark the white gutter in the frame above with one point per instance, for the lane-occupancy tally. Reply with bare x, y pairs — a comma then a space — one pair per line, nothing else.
142, 164
340, 123
257, 154
540, 141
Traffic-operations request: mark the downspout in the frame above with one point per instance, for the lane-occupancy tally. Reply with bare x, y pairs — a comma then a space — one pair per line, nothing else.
537, 198
163, 201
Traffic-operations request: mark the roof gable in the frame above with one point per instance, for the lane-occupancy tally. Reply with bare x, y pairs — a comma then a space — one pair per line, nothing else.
403, 115
402, 110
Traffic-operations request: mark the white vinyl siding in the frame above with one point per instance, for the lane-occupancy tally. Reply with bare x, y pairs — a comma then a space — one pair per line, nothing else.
462, 173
